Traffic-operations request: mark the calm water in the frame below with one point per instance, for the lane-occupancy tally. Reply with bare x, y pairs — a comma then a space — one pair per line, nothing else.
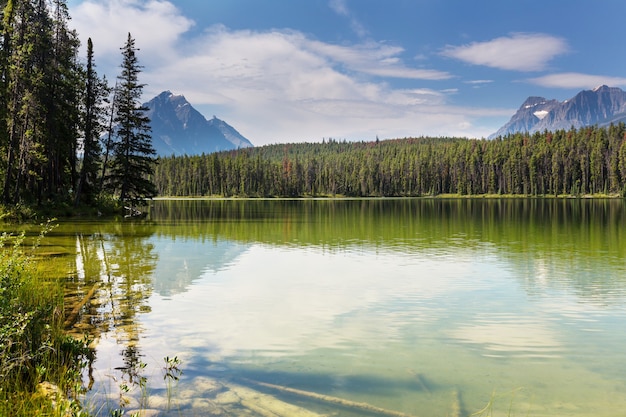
421, 307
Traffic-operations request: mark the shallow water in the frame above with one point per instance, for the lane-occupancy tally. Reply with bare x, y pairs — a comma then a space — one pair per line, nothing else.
423, 307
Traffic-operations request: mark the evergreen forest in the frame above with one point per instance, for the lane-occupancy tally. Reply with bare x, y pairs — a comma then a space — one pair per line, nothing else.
66, 136
588, 161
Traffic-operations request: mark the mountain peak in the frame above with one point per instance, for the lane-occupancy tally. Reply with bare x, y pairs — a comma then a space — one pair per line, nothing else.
532, 101
179, 129
601, 106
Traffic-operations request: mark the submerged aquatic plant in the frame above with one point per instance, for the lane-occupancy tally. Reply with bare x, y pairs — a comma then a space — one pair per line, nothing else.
488, 409
172, 369
171, 373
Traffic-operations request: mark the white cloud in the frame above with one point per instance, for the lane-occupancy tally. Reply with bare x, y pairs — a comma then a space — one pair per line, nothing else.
341, 8
277, 85
373, 58
290, 88
478, 82
574, 80
154, 24
519, 51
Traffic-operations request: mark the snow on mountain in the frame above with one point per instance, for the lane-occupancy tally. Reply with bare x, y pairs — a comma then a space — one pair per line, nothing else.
601, 106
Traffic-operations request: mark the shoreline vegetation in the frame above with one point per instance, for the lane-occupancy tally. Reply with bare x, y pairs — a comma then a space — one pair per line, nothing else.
40, 364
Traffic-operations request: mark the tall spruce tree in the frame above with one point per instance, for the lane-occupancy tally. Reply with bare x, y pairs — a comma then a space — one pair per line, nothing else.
22, 78
93, 125
108, 140
133, 154
7, 152
63, 103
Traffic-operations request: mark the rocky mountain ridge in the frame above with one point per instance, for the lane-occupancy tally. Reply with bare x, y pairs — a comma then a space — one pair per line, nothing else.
179, 129
601, 106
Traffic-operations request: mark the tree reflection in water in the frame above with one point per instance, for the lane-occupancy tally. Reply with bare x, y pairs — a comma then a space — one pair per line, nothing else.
117, 259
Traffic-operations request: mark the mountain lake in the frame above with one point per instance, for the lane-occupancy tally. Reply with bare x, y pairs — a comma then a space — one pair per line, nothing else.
342, 307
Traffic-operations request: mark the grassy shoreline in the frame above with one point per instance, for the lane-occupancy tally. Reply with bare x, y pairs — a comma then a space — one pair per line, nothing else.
40, 366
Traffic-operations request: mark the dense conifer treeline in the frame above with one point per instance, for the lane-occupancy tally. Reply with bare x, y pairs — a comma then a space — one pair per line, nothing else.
574, 162
54, 111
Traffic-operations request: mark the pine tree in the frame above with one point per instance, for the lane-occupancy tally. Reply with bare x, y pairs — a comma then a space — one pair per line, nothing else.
133, 154
29, 44
108, 139
64, 77
7, 151
93, 115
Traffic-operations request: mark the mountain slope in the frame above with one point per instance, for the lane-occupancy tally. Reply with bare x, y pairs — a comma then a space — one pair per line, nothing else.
600, 106
179, 129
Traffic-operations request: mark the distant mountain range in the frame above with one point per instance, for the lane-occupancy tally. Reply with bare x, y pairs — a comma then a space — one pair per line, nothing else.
601, 106
179, 129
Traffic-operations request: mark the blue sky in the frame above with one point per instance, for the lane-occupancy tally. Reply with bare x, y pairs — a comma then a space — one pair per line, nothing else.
302, 70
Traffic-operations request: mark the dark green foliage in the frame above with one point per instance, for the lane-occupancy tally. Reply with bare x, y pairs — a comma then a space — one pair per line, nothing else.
133, 153
39, 91
576, 162
93, 118
51, 107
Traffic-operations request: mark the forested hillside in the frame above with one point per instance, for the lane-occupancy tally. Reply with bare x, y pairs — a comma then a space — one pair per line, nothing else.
566, 162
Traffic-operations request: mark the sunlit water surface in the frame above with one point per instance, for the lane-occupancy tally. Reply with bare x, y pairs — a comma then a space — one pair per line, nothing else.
420, 307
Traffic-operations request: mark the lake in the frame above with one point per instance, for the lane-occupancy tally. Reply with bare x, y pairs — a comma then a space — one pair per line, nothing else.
401, 307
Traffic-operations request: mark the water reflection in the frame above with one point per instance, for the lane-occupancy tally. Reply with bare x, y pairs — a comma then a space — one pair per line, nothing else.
545, 240
406, 304
188, 259
113, 270
511, 337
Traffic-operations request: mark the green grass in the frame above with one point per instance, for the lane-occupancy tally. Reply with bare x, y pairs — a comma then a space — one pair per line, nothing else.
40, 366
